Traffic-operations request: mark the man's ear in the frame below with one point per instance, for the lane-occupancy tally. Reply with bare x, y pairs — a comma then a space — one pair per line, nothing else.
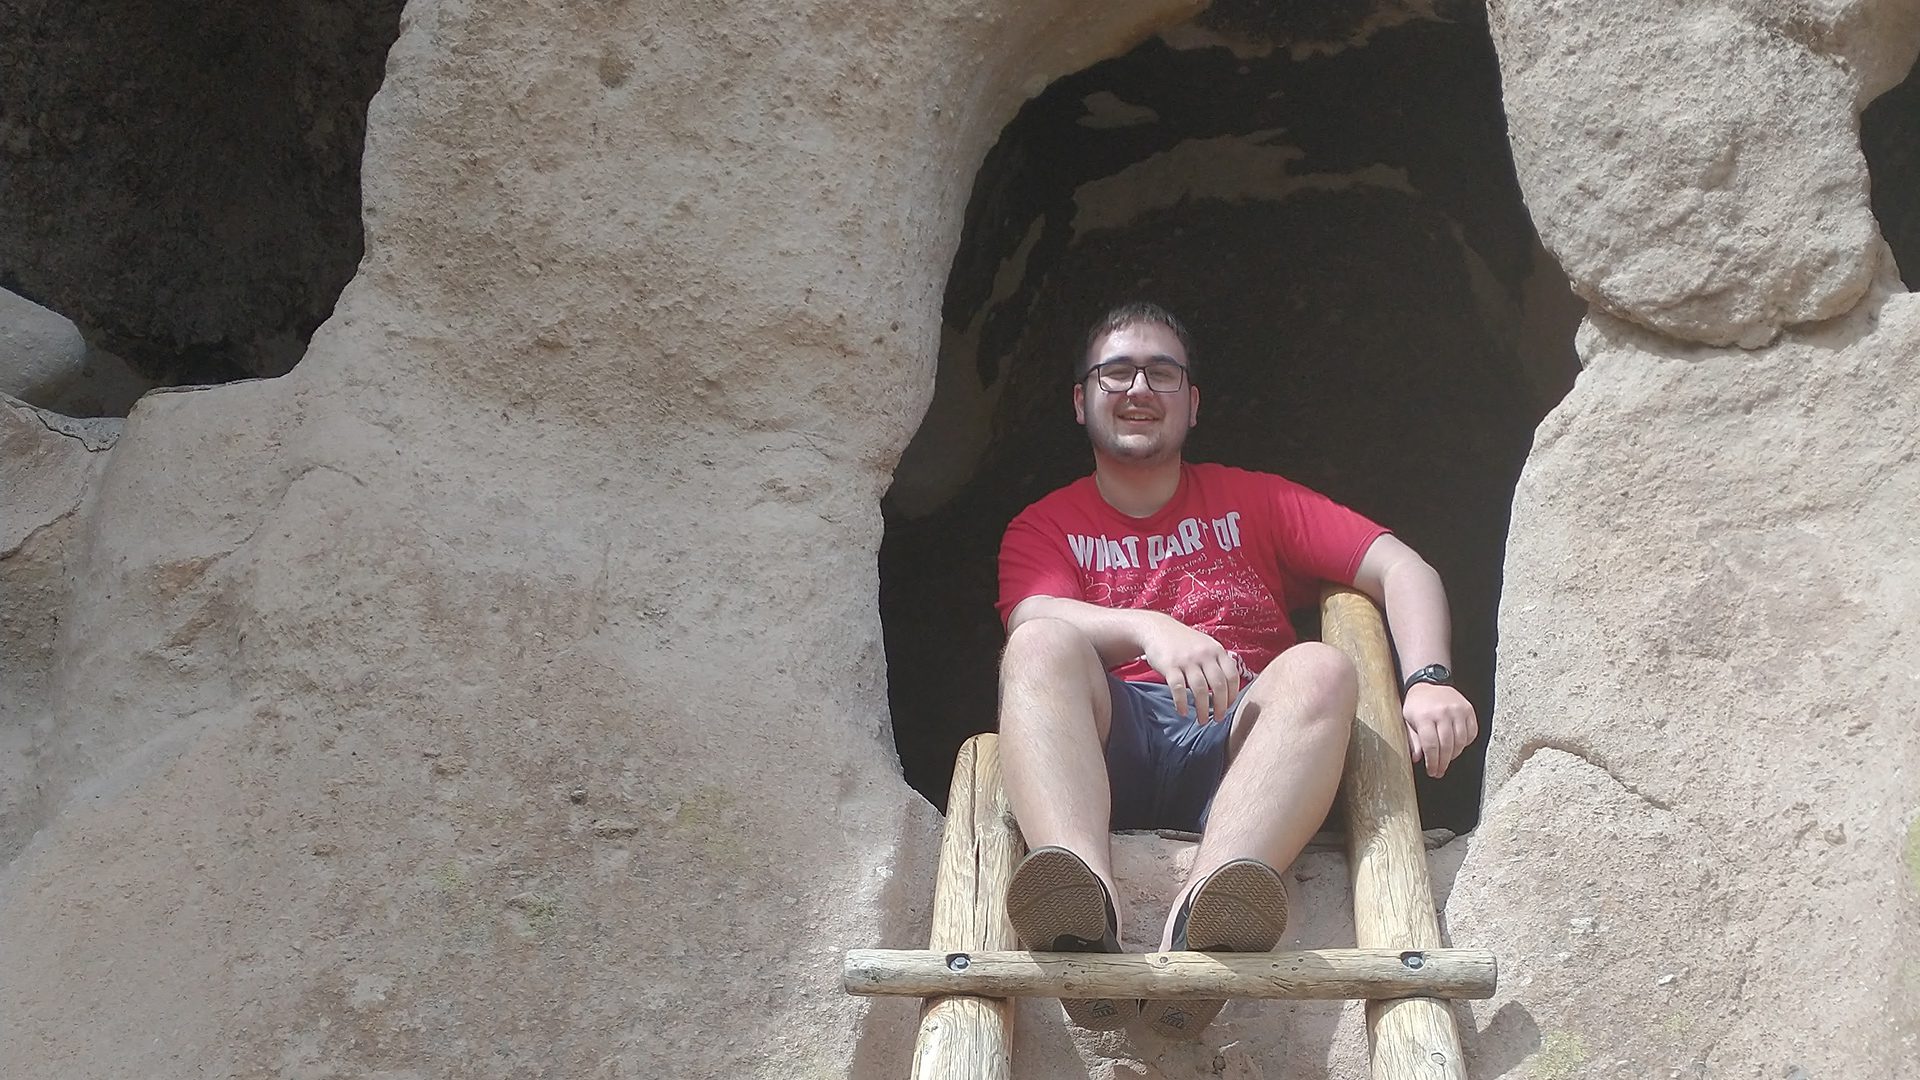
1080, 403
1193, 405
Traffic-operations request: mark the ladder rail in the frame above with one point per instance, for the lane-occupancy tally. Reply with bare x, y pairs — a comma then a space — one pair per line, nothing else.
1412, 1038
967, 1036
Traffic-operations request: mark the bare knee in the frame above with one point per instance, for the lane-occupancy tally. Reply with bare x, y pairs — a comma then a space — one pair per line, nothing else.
1047, 649
1051, 669
1320, 682
1326, 674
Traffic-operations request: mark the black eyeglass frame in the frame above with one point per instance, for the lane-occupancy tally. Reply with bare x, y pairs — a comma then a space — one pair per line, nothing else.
1139, 371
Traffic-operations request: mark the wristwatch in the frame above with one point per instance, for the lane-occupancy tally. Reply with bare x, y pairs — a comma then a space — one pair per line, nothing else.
1437, 674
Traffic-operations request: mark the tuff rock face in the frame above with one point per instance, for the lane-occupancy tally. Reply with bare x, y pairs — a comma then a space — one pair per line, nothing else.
1695, 169
501, 693
1686, 858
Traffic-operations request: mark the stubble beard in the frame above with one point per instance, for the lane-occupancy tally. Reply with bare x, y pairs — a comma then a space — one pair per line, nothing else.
1159, 446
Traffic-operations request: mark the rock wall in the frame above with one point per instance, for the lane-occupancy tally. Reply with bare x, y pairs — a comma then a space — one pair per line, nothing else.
1700, 851
500, 693
1697, 170
52, 462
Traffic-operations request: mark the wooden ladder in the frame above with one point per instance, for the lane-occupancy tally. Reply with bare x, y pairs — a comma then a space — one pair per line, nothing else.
973, 964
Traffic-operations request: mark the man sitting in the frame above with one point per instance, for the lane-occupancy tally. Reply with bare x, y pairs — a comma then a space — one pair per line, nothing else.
1151, 678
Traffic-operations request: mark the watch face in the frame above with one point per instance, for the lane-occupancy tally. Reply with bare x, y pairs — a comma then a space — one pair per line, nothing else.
1437, 674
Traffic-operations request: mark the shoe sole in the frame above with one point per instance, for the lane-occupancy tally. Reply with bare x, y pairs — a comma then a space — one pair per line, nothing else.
1055, 896
1240, 908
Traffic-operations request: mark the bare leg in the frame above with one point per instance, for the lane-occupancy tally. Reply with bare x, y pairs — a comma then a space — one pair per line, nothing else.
1284, 755
1054, 714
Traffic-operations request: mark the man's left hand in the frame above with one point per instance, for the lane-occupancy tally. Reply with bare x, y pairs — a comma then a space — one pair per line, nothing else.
1440, 724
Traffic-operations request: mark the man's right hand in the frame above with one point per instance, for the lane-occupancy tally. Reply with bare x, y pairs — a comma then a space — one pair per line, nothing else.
1191, 660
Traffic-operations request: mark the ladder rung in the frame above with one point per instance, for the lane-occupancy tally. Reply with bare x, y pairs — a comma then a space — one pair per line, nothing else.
1308, 974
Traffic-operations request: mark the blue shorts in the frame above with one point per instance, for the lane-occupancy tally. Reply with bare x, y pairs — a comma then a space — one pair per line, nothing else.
1163, 768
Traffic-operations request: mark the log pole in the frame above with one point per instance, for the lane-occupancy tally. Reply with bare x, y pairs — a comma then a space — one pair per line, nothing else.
1316, 974
1411, 1038
966, 1036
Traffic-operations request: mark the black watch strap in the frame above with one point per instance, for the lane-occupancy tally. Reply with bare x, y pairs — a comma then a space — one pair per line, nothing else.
1437, 674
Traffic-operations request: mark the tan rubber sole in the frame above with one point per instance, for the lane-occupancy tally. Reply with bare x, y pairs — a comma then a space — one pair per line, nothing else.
1055, 896
1241, 907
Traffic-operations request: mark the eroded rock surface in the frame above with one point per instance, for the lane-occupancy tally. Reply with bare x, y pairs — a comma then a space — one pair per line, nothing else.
48, 465
1626, 957
1711, 584
1697, 169
501, 692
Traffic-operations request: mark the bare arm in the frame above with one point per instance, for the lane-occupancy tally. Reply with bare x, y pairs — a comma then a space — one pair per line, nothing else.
1401, 582
1187, 658
1440, 720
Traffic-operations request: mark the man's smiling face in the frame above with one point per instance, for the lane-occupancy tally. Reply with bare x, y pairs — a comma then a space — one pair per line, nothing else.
1138, 426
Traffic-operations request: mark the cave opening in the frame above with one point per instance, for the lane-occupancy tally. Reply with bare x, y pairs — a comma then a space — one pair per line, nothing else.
183, 184
1325, 194
1890, 140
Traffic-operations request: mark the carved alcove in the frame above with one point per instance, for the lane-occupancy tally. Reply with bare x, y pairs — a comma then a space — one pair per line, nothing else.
1325, 195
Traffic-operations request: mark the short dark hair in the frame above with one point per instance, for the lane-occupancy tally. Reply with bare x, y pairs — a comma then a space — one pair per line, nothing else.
1132, 313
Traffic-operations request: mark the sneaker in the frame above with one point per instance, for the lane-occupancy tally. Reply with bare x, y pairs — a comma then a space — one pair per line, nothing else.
1058, 904
1241, 907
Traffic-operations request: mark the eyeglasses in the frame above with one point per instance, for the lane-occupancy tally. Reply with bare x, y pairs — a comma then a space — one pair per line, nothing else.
1163, 376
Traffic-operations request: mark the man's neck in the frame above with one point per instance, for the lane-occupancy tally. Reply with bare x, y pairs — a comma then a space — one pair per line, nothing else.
1136, 490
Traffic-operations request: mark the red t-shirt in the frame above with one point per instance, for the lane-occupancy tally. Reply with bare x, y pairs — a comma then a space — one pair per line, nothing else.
1230, 554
